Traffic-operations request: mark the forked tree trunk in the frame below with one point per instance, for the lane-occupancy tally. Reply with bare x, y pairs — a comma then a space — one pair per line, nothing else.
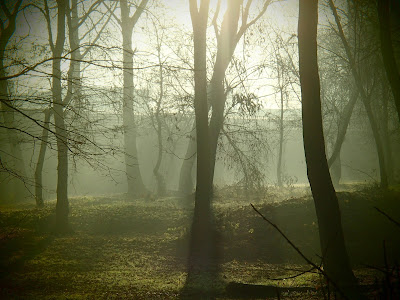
334, 255
136, 187
343, 125
365, 99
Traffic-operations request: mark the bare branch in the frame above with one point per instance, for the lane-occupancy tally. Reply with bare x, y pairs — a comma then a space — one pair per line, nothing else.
214, 21
133, 20
246, 25
47, 17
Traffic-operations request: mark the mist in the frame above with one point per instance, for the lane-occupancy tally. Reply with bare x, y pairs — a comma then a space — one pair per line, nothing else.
199, 149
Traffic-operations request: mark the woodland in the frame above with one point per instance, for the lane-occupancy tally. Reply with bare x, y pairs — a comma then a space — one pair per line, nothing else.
199, 149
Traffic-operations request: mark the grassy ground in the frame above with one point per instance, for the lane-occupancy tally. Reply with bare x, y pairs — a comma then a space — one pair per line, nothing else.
137, 249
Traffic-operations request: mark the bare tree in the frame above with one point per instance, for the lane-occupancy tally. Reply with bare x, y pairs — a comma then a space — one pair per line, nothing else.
228, 36
334, 255
14, 160
135, 182
364, 97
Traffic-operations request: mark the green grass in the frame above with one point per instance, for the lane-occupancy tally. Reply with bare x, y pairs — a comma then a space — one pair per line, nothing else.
137, 249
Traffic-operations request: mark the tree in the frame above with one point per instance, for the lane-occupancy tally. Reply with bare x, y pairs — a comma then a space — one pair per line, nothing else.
228, 36
74, 85
389, 60
334, 255
62, 206
365, 98
16, 162
135, 182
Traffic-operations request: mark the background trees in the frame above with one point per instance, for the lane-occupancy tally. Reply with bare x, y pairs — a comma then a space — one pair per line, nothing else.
107, 97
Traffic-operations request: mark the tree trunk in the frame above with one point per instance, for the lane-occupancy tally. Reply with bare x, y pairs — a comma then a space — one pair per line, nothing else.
389, 60
365, 100
40, 161
334, 255
280, 150
343, 125
16, 163
186, 184
201, 242
161, 188
227, 42
136, 187
62, 207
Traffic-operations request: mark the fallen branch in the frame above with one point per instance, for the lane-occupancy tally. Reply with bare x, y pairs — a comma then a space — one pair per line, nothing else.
300, 253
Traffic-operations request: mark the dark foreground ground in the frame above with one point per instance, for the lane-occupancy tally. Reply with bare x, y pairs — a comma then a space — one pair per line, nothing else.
137, 249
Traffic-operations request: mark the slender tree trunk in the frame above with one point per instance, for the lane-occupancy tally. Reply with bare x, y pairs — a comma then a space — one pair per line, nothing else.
227, 42
389, 60
280, 150
365, 100
334, 255
343, 125
161, 188
62, 207
135, 182
186, 184
40, 161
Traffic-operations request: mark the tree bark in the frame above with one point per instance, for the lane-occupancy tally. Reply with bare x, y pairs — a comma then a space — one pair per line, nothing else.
40, 161
136, 186
334, 255
389, 60
62, 206
201, 243
227, 41
186, 184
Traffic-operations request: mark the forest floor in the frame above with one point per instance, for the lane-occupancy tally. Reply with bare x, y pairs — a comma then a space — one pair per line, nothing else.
137, 249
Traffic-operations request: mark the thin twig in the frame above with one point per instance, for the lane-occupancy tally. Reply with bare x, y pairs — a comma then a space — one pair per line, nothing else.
387, 216
300, 253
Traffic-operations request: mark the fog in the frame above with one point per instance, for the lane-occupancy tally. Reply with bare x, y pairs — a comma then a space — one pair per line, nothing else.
222, 142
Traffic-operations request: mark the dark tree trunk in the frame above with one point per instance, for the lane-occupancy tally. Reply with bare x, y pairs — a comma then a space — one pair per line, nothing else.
40, 161
62, 206
134, 178
334, 255
200, 257
227, 41
389, 60
16, 163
